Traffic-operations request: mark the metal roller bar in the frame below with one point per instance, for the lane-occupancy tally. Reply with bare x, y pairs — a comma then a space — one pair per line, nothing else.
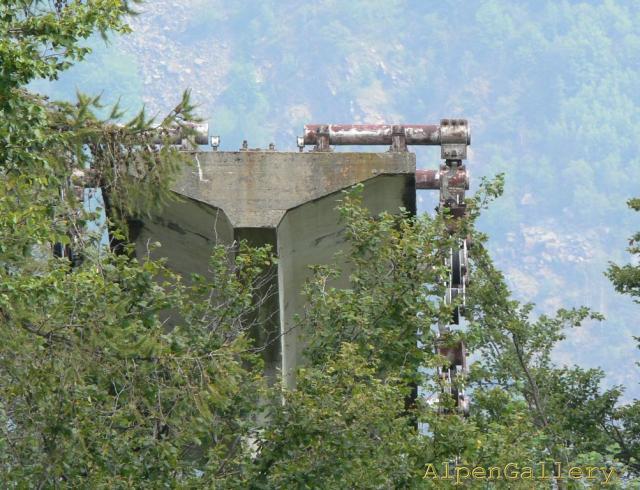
430, 179
452, 180
452, 134
371, 134
191, 132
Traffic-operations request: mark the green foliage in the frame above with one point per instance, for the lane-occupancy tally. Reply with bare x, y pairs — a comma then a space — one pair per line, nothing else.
394, 282
118, 373
626, 278
367, 343
95, 390
37, 41
341, 428
568, 413
46, 143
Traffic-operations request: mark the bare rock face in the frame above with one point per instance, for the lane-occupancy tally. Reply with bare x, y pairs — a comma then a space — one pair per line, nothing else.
170, 60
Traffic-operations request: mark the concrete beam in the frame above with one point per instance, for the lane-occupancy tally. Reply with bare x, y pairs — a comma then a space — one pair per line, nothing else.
284, 199
256, 188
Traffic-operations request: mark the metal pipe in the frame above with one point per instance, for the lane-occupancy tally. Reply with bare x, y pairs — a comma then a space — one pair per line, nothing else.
430, 179
370, 134
450, 131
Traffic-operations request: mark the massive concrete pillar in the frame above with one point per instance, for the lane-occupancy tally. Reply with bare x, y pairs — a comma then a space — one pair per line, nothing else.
285, 199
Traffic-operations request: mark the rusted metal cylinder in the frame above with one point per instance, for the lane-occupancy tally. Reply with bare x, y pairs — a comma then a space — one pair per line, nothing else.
455, 354
430, 179
449, 131
371, 134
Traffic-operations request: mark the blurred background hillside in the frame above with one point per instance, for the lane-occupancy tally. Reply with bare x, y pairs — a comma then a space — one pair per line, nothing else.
551, 90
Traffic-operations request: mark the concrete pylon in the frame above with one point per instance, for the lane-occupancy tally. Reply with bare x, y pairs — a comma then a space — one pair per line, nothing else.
286, 199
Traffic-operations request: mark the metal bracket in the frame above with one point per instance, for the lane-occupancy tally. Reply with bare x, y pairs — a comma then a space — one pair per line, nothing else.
454, 139
398, 139
322, 139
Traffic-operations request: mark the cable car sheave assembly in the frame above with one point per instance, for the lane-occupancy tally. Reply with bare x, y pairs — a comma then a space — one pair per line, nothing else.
451, 180
252, 175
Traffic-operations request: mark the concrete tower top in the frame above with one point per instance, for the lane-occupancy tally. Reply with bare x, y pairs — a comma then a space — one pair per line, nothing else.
257, 188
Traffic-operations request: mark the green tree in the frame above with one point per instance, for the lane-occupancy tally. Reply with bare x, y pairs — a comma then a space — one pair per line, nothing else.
118, 373
626, 429
626, 278
348, 422
95, 390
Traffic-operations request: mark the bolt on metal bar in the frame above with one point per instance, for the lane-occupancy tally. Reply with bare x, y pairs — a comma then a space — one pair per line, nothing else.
448, 132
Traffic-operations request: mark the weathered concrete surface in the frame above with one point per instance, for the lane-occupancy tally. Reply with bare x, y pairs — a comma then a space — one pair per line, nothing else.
256, 188
311, 234
287, 200
186, 229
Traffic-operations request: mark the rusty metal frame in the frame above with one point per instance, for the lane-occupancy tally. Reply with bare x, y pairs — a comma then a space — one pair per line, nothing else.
452, 135
451, 179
